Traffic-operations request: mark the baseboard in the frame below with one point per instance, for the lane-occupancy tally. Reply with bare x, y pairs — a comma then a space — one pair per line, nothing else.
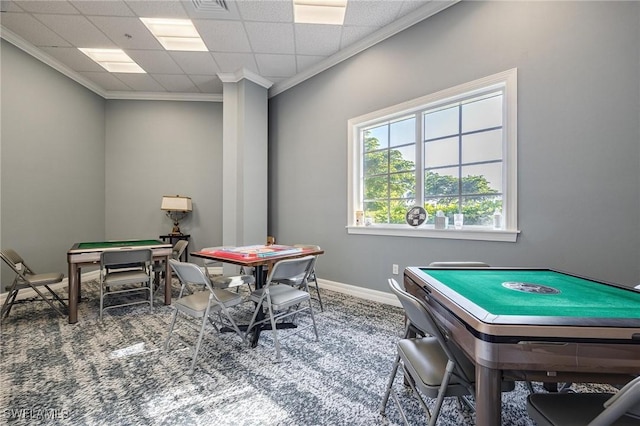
360, 292
351, 290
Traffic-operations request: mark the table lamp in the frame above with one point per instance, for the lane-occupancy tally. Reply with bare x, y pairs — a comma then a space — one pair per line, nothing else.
177, 208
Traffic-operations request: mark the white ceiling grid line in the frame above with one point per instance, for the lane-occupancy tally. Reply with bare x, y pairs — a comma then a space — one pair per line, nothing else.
257, 36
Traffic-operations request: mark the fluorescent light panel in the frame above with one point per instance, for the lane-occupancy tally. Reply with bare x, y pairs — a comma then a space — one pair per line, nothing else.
175, 34
329, 12
113, 60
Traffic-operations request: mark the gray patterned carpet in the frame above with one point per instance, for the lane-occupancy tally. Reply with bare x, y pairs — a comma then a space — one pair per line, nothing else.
115, 372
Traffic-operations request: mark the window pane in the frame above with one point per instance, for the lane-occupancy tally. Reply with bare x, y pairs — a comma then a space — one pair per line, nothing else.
443, 152
378, 211
485, 146
376, 163
376, 138
376, 188
441, 182
403, 132
480, 210
399, 210
402, 185
482, 179
482, 114
441, 123
403, 158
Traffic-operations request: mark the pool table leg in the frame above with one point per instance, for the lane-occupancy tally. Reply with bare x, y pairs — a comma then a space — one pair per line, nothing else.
488, 396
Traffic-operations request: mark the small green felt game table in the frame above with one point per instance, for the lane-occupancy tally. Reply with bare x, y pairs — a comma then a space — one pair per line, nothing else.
85, 254
532, 324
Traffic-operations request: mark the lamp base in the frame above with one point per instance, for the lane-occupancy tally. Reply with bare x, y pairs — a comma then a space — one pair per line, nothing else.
176, 230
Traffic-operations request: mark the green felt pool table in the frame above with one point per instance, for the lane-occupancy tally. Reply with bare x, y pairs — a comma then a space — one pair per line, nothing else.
533, 324
88, 253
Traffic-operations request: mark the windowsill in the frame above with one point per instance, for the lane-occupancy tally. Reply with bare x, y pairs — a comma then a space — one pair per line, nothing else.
467, 233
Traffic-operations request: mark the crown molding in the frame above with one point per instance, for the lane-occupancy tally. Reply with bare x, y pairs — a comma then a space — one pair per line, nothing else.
395, 27
163, 96
243, 73
30, 49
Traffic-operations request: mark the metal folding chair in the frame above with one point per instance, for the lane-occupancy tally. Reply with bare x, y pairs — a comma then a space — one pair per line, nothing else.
201, 304
27, 278
119, 270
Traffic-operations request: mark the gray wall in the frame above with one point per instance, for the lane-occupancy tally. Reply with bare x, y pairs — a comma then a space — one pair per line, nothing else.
578, 138
52, 144
75, 167
156, 148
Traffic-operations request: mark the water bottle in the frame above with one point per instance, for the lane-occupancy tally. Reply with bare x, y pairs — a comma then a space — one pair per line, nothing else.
497, 219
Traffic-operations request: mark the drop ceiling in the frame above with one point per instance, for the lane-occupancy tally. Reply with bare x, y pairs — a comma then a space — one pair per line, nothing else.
245, 38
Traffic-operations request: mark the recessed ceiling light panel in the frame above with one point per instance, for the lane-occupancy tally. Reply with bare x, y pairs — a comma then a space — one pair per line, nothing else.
175, 34
328, 12
113, 60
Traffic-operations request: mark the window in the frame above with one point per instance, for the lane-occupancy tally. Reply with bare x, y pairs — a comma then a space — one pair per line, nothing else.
452, 152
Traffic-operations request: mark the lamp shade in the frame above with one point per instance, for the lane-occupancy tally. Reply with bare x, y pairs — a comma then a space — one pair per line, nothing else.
176, 203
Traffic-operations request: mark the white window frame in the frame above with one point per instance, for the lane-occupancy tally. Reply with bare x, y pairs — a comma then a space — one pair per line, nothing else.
505, 81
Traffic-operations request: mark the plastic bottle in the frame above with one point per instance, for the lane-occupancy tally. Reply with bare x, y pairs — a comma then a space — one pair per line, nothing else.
497, 219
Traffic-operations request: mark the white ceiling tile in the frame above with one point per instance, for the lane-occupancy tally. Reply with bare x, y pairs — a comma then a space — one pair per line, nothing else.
303, 62
140, 82
207, 83
276, 65
270, 38
266, 11
321, 40
158, 9
77, 30
155, 61
176, 83
103, 7
48, 6
73, 58
409, 6
371, 12
117, 30
32, 30
106, 80
196, 62
232, 62
223, 36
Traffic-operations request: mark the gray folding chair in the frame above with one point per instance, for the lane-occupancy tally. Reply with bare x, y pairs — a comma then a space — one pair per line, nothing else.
281, 300
224, 281
176, 252
202, 303
587, 409
298, 281
435, 366
27, 278
119, 270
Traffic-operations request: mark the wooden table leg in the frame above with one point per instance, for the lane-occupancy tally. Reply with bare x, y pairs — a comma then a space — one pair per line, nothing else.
74, 293
167, 282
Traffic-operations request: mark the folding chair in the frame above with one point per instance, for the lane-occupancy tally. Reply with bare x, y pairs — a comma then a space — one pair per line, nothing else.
435, 366
281, 300
202, 303
298, 281
587, 409
27, 278
122, 268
